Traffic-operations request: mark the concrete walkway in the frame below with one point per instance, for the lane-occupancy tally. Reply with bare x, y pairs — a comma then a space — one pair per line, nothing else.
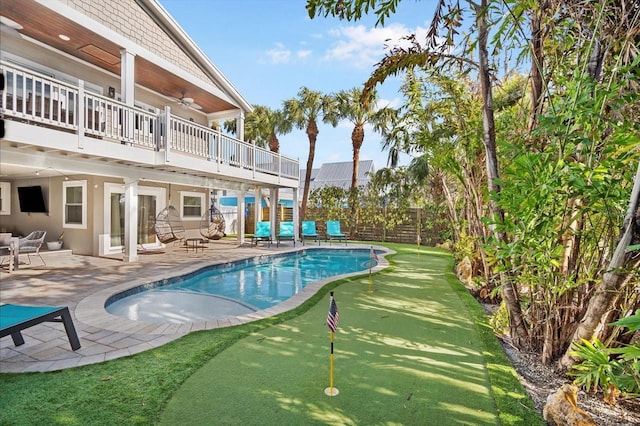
84, 283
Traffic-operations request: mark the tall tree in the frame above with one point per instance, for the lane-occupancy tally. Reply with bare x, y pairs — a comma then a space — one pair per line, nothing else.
304, 112
518, 328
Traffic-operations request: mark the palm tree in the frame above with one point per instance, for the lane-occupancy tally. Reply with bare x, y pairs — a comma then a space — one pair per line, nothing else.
230, 126
360, 113
303, 112
350, 108
264, 124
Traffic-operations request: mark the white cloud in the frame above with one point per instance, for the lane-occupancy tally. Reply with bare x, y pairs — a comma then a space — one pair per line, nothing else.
303, 53
363, 46
391, 103
279, 54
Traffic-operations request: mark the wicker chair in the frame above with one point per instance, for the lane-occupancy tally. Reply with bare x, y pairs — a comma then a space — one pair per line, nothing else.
169, 227
31, 245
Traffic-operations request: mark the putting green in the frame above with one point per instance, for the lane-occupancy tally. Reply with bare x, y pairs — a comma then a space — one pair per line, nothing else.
405, 353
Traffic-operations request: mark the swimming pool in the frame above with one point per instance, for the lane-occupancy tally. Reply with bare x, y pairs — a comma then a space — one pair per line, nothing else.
237, 288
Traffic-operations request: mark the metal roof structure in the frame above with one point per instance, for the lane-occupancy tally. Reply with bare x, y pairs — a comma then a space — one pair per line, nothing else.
338, 174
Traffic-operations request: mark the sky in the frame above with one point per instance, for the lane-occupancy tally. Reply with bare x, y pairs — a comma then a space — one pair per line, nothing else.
269, 49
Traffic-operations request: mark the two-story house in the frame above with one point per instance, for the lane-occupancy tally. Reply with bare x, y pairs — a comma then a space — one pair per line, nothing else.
108, 112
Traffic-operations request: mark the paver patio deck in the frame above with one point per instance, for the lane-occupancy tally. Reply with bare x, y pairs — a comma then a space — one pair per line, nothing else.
83, 283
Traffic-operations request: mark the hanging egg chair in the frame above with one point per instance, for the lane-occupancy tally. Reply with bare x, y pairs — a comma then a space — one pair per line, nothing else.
169, 226
212, 224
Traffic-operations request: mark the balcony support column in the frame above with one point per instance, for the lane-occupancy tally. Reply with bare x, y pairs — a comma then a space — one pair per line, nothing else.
130, 220
257, 207
80, 116
127, 88
240, 126
242, 205
296, 214
168, 134
273, 211
127, 77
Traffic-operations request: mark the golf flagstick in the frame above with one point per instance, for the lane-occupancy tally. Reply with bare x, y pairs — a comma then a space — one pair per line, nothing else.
332, 323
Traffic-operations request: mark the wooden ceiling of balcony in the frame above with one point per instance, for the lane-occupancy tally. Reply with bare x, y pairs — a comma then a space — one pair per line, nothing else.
41, 24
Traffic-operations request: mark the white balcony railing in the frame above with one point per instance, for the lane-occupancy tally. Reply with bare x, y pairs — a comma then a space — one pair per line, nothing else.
36, 98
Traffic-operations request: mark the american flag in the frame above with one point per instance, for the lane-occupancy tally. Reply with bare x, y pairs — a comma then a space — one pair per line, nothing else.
374, 256
333, 316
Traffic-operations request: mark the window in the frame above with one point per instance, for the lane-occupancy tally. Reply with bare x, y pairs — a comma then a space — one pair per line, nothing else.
5, 198
74, 204
191, 205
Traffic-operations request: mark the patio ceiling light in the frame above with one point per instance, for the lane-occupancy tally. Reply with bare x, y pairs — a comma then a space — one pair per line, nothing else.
10, 23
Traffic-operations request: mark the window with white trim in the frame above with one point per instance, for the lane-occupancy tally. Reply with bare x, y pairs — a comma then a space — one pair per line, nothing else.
5, 198
191, 205
74, 204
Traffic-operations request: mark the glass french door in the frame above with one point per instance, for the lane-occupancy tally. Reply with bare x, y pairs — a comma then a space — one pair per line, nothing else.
150, 201
146, 219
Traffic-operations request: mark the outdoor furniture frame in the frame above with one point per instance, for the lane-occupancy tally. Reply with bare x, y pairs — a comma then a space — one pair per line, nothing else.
309, 231
15, 318
334, 233
9, 250
286, 233
263, 233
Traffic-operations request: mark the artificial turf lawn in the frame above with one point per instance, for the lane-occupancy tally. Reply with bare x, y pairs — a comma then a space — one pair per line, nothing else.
407, 352
136, 389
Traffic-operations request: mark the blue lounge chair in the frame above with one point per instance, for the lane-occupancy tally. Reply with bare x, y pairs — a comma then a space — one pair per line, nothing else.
309, 231
286, 233
334, 233
15, 318
263, 233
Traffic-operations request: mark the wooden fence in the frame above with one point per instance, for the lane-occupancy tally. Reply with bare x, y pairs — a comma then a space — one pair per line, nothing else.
419, 222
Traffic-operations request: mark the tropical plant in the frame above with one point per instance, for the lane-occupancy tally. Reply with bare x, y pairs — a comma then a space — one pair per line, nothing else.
329, 203
384, 202
611, 369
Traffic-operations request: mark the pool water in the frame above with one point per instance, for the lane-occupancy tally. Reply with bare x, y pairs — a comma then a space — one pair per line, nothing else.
237, 288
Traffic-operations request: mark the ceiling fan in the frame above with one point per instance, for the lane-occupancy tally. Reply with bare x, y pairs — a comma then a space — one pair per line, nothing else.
186, 102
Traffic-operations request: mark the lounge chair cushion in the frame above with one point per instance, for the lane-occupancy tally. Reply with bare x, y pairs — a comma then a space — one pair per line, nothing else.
309, 231
334, 232
286, 232
263, 233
